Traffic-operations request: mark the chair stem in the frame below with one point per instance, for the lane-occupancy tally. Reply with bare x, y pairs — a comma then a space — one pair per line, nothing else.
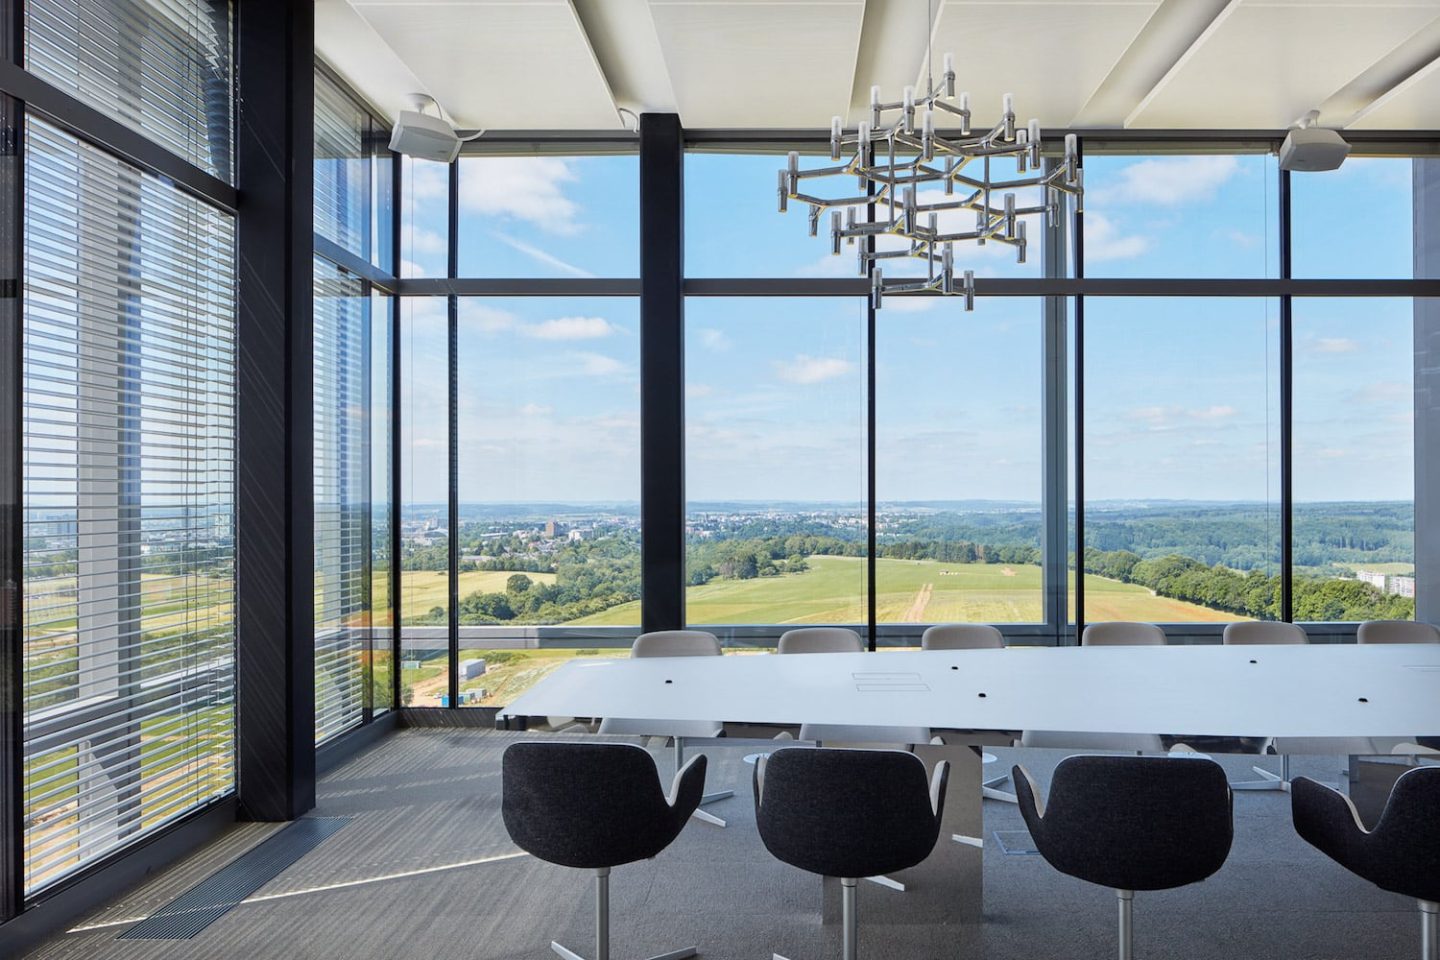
602, 914
1429, 930
1126, 899
850, 946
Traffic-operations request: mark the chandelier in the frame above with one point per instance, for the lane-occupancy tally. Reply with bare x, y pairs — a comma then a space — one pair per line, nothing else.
895, 161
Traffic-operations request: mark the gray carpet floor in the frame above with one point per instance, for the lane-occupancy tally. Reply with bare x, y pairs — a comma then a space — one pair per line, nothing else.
425, 870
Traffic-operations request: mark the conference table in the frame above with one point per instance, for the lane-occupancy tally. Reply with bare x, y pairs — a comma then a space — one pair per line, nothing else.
1327, 697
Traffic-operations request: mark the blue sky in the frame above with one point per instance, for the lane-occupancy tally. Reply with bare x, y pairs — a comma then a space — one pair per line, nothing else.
1182, 395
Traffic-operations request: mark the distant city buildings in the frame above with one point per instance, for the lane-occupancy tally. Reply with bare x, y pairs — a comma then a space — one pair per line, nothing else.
1400, 585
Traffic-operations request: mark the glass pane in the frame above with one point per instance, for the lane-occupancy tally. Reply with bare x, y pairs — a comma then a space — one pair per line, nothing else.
550, 216
1354, 459
129, 380
343, 191
424, 218
424, 502
341, 483
1327, 242
958, 462
1212, 215
775, 461
549, 447
1182, 453
162, 67
382, 619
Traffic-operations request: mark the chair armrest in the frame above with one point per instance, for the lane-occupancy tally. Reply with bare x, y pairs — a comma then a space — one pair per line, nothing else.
939, 780
1031, 803
688, 787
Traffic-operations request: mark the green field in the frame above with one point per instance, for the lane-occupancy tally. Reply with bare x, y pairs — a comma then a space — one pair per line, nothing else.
422, 590
1405, 569
917, 591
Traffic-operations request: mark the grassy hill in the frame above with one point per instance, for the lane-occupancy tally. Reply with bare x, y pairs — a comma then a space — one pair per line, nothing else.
921, 591
420, 590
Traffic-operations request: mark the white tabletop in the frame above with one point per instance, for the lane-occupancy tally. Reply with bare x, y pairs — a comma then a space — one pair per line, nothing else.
1330, 690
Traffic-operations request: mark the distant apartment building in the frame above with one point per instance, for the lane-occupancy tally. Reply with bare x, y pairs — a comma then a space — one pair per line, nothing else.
552, 529
1376, 580
1402, 586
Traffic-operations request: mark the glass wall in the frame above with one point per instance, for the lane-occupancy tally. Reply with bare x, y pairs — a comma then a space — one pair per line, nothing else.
775, 468
129, 636
958, 447
424, 502
1182, 459
549, 480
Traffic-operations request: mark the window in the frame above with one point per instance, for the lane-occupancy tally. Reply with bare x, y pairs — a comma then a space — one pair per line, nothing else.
958, 461
379, 506
342, 502
1326, 244
1181, 402
424, 502
129, 641
549, 216
776, 518
162, 68
549, 481
1171, 216
343, 170
425, 218
1354, 460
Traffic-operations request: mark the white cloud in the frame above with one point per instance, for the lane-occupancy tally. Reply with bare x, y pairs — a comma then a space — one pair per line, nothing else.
713, 339
1335, 345
427, 241
697, 390
599, 365
523, 188
1104, 241
536, 409
806, 369
476, 315
427, 181
409, 268
1217, 412
570, 328
1167, 181
541, 256
830, 266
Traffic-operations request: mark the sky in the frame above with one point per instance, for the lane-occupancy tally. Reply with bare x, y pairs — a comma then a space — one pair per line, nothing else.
1182, 395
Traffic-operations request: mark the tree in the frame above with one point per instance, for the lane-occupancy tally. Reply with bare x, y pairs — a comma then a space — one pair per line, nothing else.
518, 583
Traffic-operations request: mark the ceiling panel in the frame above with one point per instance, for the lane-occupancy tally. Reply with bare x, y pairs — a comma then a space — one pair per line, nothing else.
1052, 54
760, 63
500, 65
1264, 63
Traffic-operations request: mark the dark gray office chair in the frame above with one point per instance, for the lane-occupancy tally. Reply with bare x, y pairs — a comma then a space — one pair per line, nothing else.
848, 814
595, 806
1131, 823
1402, 853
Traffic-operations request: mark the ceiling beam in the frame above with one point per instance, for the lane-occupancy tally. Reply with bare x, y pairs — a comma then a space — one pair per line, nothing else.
1390, 75
1180, 28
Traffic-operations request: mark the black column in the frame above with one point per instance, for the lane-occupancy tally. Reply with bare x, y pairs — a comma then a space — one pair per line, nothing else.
12, 773
274, 515
662, 372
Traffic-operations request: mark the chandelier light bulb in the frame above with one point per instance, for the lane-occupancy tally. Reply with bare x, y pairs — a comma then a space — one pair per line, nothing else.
835, 128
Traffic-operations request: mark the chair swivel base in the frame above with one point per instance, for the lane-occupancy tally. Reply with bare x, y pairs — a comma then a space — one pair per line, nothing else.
683, 954
706, 817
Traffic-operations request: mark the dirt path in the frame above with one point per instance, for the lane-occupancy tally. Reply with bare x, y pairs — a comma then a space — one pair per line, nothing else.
916, 613
428, 690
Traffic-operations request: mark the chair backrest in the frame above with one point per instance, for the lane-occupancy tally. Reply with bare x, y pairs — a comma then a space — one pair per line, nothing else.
1122, 633
1132, 823
1397, 631
591, 805
1263, 631
1401, 854
820, 640
846, 813
961, 636
676, 643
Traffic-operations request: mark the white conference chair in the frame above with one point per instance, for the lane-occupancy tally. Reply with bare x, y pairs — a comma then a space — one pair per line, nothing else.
962, 636
845, 640
1122, 633
971, 636
675, 643
1264, 632
1396, 631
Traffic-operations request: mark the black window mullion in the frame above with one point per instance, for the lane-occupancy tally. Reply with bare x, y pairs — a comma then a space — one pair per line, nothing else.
453, 329
1287, 398
1078, 245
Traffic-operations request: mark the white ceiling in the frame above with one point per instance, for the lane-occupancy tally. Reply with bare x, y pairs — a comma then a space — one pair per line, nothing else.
1144, 64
